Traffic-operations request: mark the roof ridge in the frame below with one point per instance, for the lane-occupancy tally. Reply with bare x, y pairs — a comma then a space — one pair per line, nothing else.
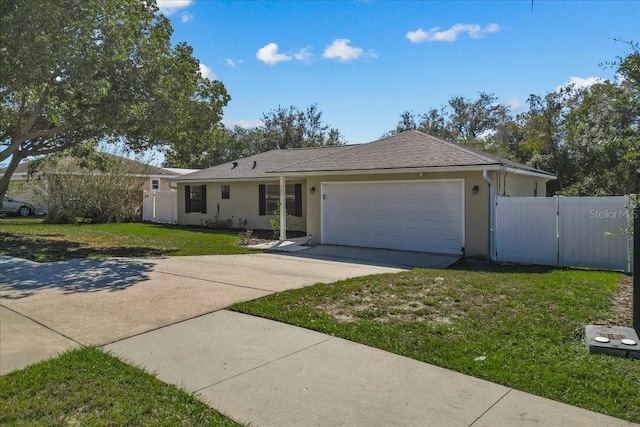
315, 147
345, 147
460, 147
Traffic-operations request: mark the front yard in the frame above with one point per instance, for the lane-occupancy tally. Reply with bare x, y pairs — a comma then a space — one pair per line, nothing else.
517, 326
32, 239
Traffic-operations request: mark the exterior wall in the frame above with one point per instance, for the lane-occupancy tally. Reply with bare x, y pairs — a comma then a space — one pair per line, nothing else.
512, 185
476, 206
243, 204
165, 184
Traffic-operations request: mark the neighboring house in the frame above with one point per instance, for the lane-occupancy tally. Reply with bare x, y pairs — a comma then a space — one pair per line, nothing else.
27, 188
410, 191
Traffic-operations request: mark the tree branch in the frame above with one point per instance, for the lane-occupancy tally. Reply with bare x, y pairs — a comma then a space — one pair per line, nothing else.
8, 152
51, 150
36, 111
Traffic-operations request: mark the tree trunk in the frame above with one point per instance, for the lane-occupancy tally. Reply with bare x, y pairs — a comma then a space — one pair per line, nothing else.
4, 181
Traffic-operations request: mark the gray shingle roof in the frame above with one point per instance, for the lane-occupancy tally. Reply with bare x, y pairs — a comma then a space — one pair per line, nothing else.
246, 168
407, 150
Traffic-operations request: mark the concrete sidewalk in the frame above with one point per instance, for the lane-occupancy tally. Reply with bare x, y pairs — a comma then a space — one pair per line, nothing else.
268, 373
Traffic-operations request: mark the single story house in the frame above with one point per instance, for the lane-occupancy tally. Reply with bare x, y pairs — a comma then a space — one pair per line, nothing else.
409, 191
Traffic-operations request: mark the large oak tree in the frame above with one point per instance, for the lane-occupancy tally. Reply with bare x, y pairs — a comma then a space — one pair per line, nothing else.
73, 71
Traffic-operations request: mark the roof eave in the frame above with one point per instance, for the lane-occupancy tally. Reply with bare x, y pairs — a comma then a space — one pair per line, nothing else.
268, 178
544, 175
271, 175
429, 169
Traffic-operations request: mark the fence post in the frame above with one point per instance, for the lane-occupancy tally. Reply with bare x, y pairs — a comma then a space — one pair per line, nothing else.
636, 268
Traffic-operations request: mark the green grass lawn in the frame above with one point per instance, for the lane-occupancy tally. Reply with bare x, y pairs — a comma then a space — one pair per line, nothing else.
89, 387
517, 326
32, 239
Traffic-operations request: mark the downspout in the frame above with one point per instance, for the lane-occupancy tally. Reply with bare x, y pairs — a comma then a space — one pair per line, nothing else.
492, 216
283, 209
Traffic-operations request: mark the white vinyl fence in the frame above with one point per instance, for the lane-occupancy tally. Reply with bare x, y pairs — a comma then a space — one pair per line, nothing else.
587, 232
160, 206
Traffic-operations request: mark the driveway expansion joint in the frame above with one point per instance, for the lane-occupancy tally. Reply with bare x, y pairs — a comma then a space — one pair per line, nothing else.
43, 325
214, 281
265, 364
157, 328
491, 407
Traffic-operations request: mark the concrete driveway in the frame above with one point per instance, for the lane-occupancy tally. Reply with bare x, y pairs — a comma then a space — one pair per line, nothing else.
48, 308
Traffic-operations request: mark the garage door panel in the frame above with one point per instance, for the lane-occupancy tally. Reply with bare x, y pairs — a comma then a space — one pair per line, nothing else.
415, 215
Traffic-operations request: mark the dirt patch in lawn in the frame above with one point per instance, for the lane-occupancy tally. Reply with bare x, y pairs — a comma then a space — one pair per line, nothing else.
402, 301
622, 304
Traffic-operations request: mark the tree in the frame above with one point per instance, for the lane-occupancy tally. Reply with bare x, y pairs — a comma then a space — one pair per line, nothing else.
73, 71
603, 134
284, 128
463, 120
85, 185
543, 136
472, 119
281, 128
219, 145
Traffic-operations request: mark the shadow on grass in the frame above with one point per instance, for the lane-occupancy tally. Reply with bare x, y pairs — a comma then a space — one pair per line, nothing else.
49, 250
22, 278
467, 264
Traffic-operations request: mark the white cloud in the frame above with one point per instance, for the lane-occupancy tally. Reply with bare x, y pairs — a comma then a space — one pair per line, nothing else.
492, 28
341, 50
303, 54
186, 17
206, 72
515, 104
580, 83
231, 63
246, 124
417, 36
269, 54
435, 34
169, 7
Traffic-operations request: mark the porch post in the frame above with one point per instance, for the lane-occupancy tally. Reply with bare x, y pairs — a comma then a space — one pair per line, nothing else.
283, 209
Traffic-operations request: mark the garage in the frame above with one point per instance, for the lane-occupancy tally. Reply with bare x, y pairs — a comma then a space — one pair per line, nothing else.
426, 216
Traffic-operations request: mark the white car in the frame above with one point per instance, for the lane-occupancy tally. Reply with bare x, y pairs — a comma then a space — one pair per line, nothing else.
16, 207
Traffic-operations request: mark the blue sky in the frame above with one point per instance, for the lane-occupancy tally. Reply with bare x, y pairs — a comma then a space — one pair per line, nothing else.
365, 62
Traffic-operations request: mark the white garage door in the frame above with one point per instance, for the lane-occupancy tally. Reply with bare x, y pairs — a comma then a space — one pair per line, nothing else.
407, 215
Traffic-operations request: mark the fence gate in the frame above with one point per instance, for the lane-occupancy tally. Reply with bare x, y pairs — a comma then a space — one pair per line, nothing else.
526, 230
564, 231
160, 206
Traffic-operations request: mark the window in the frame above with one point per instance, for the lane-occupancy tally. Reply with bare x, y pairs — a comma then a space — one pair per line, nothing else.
195, 198
226, 191
269, 197
155, 184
